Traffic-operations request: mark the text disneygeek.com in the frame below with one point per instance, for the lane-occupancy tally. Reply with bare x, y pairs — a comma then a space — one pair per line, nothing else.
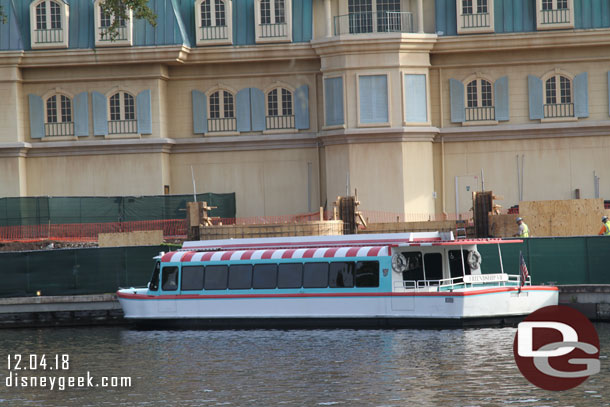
22, 367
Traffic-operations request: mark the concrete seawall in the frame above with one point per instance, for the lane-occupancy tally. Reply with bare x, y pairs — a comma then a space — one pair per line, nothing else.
593, 300
69, 310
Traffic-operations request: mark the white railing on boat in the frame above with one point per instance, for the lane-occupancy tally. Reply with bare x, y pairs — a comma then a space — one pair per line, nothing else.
448, 284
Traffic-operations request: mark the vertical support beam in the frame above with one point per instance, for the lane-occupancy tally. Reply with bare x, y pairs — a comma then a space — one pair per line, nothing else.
329, 18
420, 16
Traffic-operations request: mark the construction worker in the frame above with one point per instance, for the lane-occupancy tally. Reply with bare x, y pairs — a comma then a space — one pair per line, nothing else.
524, 231
605, 230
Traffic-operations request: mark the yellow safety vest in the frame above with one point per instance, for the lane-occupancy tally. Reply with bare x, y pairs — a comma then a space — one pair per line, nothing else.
526, 231
607, 225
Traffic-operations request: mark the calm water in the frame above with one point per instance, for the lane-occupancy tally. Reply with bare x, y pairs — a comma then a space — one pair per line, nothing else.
291, 368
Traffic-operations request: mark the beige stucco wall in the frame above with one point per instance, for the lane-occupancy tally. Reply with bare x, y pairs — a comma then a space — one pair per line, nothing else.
11, 113
13, 181
266, 183
96, 175
552, 167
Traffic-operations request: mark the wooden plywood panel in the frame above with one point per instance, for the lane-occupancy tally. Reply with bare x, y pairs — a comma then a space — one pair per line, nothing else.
503, 225
575, 217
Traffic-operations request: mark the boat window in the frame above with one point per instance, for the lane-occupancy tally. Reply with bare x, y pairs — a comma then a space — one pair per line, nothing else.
455, 263
154, 280
240, 277
433, 263
192, 278
367, 274
265, 276
341, 274
413, 266
315, 275
290, 275
169, 278
216, 277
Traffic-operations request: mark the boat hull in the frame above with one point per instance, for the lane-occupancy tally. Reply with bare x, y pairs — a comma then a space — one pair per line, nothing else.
499, 306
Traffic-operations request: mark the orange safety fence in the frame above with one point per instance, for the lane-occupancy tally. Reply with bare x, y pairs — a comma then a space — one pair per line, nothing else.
86, 232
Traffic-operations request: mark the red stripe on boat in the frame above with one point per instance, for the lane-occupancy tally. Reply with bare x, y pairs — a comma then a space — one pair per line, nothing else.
352, 252
207, 256
247, 255
267, 254
227, 255
167, 257
288, 254
188, 256
331, 252
309, 253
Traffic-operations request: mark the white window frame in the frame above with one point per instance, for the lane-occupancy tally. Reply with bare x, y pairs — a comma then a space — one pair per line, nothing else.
100, 33
228, 21
479, 102
261, 36
557, 74
461, 17
48, 131
111, 131
221, 107
389, 95
404, 96
64, 10
343, 96
291, 118
540, 16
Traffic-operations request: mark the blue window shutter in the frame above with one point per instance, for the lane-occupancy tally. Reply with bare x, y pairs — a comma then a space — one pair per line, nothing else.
301, 107
257, 109
243, 110
100, 115
144, 112
456, 94
333, 101
534, 88
416, 105
581, 95
36, 116
373, 91
200, 113
81, 114
501, 102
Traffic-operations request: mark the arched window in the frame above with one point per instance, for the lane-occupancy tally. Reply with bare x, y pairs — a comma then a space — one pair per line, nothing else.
214, 22
280, 113
49, 24
122, 114
558, 97
59, 120
103, 21
222, 112
479, 101
273, 20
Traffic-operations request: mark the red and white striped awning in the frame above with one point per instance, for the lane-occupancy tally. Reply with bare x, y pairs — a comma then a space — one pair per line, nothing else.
304, 253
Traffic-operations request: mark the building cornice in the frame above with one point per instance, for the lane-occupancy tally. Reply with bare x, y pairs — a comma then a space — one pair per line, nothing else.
377, 135
373, 43
250, 53
245, 143
9, 150
99, 147
524, 131
501, 42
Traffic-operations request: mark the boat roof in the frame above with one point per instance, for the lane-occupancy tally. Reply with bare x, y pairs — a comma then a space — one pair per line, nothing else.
343, 241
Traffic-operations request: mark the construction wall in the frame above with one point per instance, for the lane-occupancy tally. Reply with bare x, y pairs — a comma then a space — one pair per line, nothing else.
402, 227
138, 238
320, 228
575, 217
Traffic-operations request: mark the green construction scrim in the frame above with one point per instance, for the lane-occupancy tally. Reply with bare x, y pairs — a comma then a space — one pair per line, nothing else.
63, 210
573, 260
76, 271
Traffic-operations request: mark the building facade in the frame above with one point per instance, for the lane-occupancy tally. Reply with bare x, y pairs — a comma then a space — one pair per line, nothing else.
290, 103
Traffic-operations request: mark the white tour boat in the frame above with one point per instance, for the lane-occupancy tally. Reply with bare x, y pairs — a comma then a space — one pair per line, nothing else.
375, 281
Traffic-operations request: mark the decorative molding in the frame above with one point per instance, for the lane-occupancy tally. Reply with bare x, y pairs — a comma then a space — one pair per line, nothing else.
378, 135
11, 150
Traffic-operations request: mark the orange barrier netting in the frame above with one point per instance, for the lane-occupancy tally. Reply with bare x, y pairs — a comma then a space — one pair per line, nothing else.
84, 232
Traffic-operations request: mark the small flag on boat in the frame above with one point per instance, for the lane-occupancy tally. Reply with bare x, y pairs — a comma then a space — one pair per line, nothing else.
522, 270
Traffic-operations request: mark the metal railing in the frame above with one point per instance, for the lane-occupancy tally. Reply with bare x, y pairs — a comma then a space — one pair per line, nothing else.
50, 36
559, 110
105, 35
122, 126
477, 114
558, 16
218, 32
59, 129
280, 122
374, 22
278, 30
478, 20
222, 124
457, 283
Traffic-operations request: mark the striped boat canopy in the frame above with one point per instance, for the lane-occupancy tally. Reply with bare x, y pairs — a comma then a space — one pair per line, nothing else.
266, 254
